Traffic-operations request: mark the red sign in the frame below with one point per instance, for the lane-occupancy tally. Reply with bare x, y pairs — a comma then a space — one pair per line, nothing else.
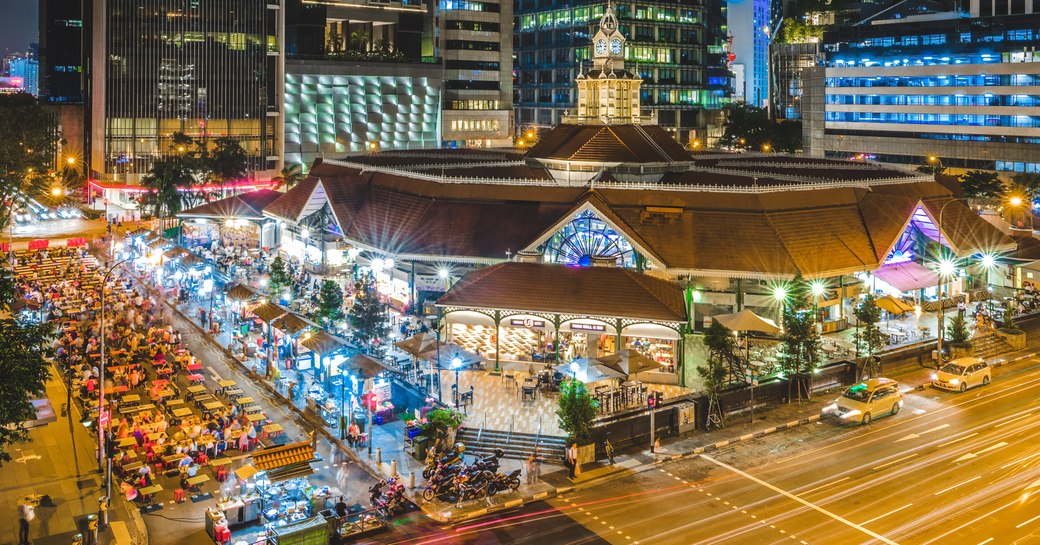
39, 244
74, 242
103, 419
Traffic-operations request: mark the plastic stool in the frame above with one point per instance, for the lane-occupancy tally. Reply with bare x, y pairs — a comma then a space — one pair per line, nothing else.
222, 475
178, 495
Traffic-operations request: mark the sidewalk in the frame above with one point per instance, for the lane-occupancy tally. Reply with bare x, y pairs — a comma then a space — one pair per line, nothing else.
59, 461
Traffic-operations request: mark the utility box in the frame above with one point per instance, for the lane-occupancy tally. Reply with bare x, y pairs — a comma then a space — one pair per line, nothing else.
686, 417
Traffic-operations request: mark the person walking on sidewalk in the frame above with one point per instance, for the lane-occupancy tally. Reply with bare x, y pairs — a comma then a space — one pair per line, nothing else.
26, 514
610, 450
572, 459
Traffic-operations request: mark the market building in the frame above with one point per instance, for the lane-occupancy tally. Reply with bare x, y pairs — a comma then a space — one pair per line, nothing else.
610, 202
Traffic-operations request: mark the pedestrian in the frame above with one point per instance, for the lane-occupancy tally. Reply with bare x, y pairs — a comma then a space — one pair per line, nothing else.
26, 514
572, 460
529, 466
610, 450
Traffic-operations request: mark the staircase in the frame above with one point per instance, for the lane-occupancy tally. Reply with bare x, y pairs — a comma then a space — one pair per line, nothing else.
990, 345
516, 445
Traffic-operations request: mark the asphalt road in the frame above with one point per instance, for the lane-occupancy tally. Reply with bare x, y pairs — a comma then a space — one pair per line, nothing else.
950, 468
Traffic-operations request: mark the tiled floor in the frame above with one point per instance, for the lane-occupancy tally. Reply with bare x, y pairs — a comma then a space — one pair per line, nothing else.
497, 405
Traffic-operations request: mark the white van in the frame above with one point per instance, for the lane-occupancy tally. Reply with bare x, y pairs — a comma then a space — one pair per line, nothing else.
866, 400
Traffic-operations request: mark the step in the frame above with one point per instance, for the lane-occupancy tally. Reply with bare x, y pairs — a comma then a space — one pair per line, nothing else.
515, 446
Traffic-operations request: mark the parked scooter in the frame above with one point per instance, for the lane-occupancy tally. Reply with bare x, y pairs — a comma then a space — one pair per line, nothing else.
500, 482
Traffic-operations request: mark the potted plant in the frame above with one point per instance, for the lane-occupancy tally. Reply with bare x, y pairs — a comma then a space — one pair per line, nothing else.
576, 411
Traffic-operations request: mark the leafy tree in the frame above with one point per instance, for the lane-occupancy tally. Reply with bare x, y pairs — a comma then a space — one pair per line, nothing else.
359, 40
25, 351
226, 161
1025, 186
934, 169
981, 184
796, 31
1009, 325
290, 175
718, 339
278, 279
800, 340
368, 316
575, 411
330, 302
334, 43
30, 137
749, 127
869, 338
165, 179
957, 331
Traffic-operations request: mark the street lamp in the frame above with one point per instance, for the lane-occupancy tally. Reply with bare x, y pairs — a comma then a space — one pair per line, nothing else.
102, 447
456, 365
766, 147
574, 370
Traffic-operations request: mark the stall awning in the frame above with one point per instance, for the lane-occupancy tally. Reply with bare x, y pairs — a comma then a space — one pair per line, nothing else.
268, 311
323, 344
907, 276
291, 324
241, 292
287, 461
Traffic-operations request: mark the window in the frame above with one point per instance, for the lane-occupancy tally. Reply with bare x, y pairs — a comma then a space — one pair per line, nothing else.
473, 25
470, 85
471, 45
585, 237
471, 65
469, 5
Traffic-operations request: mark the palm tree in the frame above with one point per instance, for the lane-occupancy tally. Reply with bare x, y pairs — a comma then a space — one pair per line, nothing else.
290, 175
167, 176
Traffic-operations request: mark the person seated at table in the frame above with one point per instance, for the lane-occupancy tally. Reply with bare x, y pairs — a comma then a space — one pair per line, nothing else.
128, 490
138, 435
124, 458
184, 481
243, 442
145, 472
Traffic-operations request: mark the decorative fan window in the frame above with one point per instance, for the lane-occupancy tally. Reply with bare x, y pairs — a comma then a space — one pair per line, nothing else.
904, 248
585, 237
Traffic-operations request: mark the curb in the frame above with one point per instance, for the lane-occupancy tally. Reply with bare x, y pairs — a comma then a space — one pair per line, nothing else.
746, 437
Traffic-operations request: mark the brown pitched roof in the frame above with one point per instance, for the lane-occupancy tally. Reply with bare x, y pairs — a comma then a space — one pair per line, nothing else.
588, 291
247, 205
609, 143
290, 204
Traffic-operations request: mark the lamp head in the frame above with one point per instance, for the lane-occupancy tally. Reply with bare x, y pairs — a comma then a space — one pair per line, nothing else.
818, 288
1015, 201
443, 273
988, 261
456, 362
947, 267
779, 293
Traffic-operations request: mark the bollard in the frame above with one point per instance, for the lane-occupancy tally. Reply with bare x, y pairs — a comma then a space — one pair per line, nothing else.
393, 468
77, 539
411, 480
379, 456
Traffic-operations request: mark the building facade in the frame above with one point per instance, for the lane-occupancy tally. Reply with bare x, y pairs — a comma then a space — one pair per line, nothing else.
955, 88
676, 49
750, 24
473, 39
359, 78
207, 69
61, 51
26, 68
785, 76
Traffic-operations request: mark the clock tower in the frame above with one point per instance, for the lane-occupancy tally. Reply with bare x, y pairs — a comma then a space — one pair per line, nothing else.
608, 93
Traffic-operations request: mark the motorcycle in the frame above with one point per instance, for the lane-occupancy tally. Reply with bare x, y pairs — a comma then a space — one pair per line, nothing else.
500, 482
439, 486
391, 503
469, 487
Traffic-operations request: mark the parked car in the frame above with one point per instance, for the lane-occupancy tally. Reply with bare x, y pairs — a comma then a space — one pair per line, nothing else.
962, 373
866, 400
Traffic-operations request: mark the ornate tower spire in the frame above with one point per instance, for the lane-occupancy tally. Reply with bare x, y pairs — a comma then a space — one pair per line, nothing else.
608, 92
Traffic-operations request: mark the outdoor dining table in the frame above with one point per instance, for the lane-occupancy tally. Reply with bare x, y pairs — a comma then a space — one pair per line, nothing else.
196, 389
217, 462
244, 401
213, 405
116, 389
166, 392
272, 430
127, 442
255, 417
175, 403
197, 480
250, 409
149, 491
194, 367
227, 383
196, 380
131, 398
233, 393
182, 412
154, 436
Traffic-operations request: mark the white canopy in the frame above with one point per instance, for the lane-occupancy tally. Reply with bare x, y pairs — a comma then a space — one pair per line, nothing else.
746, 320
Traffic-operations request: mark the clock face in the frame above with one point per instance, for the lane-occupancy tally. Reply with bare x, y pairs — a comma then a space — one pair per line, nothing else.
615, 46
601, 47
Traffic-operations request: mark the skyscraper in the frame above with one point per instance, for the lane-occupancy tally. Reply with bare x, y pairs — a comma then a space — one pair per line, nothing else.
25, 68
676, 49
751, 24
205, 68
61, 51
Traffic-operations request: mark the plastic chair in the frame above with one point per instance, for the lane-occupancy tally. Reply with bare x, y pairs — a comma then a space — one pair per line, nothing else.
178, 495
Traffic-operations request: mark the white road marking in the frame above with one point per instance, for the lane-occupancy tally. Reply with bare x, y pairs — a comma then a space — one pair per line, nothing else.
916, 435
1020, 460
1027, 522
896, 461
1012, 420
971, 455
973, 521
808, 504
811, 490
879, 517
986, 541
947, 489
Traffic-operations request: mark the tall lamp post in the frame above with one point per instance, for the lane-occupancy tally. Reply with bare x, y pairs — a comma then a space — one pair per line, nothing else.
102, 446
947, 267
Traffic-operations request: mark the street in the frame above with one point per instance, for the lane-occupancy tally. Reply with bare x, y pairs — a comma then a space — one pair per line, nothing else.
950, 468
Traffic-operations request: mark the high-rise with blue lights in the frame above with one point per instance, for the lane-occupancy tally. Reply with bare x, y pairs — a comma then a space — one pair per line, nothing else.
959, 87
751, 24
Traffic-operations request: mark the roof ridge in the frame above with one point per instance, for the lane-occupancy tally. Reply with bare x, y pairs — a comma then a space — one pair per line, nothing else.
783, 241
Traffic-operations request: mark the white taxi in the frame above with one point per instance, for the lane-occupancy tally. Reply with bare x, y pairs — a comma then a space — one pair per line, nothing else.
962, 373
868, 399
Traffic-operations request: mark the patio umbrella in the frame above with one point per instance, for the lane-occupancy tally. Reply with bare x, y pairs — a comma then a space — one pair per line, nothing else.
417, 345
596, 372
746, 320
628, 362
893, 305
324, 344
366, 366
451, 351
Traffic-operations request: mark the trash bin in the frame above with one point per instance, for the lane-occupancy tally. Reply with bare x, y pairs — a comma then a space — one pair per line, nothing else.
421, 447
